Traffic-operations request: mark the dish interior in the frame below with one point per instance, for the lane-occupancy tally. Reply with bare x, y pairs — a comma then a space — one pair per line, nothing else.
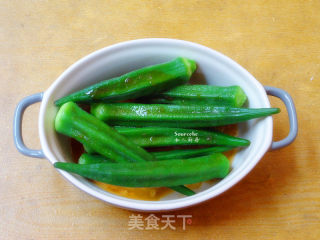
212, 68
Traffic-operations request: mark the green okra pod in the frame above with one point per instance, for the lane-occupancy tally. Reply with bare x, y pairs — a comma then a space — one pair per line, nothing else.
232, 96
145, 81
188, 153
153, 174
74, 122
162, 136
162, 155
181, 116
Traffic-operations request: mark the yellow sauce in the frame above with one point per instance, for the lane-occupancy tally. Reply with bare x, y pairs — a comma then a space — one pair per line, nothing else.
148, 194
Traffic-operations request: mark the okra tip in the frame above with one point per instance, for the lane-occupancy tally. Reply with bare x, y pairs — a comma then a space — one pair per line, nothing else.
66, 166
183, 190
277, 110
274, 110
59, 102
59, 165
244, 142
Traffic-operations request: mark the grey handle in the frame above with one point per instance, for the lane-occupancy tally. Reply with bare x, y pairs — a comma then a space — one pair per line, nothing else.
17, 122
292, 114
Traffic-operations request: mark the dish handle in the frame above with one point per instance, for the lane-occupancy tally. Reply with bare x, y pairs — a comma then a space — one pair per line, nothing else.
17, 123
292, 114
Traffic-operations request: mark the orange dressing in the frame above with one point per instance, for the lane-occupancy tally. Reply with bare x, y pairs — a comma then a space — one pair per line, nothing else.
152, 193
148, 194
